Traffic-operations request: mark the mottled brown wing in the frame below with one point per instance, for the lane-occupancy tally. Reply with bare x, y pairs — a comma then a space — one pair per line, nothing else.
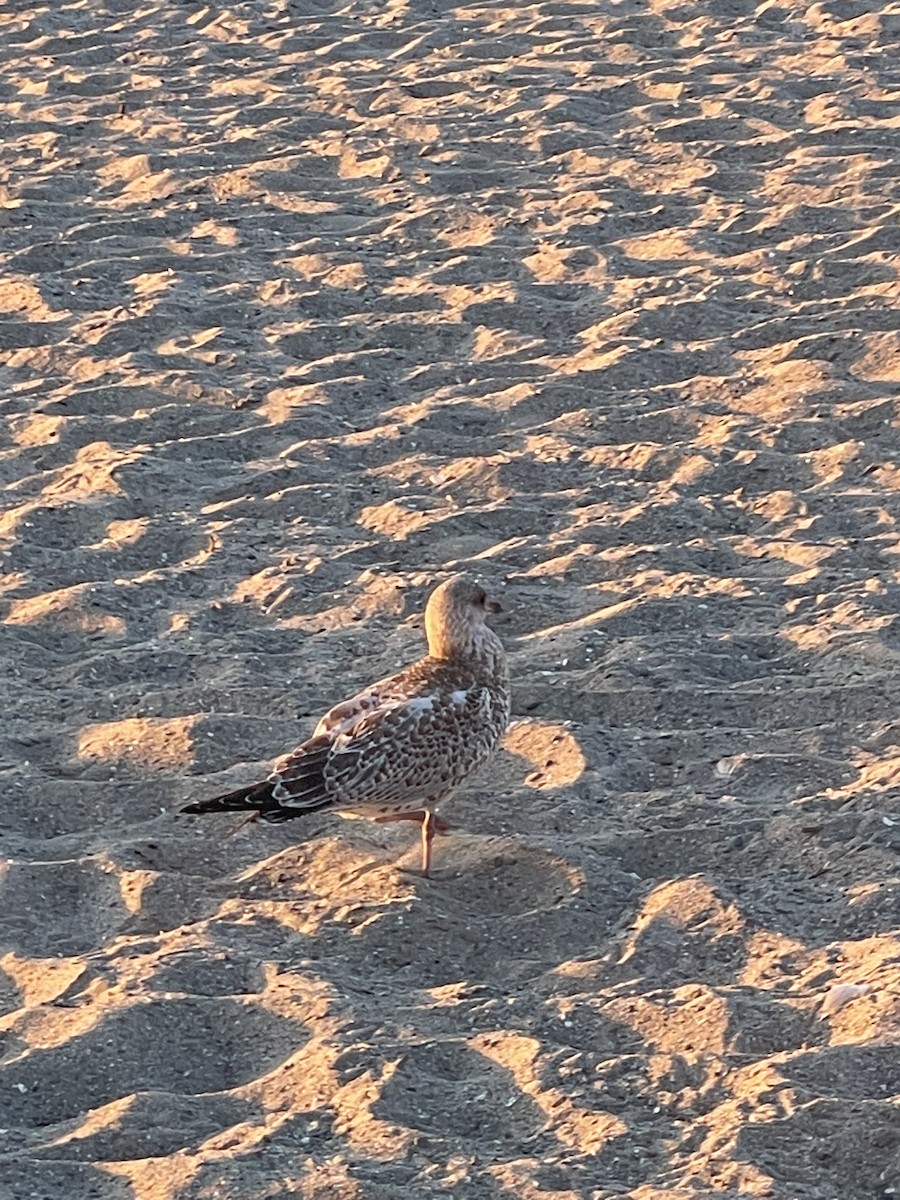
417, 680
404, 751
298, 780
410, 751
348, 712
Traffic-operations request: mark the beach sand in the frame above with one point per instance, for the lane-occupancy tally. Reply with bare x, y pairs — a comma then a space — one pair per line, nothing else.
303, 306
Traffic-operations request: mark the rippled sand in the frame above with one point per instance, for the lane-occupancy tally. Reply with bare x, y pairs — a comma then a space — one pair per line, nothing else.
302, 305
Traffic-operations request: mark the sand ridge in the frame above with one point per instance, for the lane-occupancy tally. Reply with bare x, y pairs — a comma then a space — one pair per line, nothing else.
304, 305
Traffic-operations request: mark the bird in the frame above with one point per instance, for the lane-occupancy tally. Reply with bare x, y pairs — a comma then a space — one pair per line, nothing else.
400, 747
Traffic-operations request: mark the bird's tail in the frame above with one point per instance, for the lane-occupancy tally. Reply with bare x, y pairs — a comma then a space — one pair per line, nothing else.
256, 798
298, 787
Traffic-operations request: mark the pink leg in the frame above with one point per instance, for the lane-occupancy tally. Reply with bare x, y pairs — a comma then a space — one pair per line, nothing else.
427, 839
417, 814
438, 824
431, 823
254, 816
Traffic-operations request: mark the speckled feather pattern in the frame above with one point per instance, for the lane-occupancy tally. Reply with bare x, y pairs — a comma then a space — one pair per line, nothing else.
407, 740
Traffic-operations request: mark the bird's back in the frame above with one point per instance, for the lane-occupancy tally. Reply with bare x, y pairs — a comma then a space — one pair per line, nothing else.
412, 736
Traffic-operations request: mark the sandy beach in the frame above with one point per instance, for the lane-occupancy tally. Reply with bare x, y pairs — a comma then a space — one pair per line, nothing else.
304, 306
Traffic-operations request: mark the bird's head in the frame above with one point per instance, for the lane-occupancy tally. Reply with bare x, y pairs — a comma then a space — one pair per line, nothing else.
455, 617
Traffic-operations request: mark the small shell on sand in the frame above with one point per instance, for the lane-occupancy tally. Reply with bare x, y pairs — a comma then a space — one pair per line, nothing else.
840, 995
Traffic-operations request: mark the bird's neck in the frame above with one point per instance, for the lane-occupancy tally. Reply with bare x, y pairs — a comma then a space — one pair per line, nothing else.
474, 643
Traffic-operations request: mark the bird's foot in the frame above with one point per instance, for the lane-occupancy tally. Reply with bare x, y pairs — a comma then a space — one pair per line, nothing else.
431, 875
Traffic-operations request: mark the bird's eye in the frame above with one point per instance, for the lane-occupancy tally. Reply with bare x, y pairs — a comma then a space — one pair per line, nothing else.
480, 596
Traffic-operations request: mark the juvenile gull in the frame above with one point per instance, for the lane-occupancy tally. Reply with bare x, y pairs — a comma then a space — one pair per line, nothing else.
400, 747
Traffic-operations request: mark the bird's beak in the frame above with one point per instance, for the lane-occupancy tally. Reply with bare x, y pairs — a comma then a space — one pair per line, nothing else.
493, 606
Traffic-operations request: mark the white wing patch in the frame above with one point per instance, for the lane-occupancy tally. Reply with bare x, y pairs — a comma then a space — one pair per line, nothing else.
350, 730
346, 714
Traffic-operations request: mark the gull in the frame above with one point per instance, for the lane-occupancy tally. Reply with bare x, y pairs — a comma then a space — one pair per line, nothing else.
402, 746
